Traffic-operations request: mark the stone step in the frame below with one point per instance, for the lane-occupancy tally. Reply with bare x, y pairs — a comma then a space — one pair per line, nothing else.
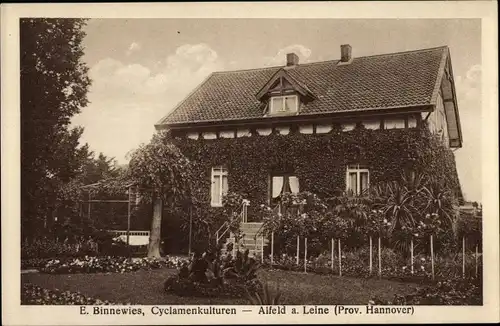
249, 236
251, 251
250, 226
249, 243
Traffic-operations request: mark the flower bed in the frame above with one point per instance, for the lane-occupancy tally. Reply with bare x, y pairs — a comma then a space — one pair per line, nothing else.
105, 264
35, 295
35, 263
449, 292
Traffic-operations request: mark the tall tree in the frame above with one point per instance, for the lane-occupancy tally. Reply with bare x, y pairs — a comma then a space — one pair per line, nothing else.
54, 85
160, 169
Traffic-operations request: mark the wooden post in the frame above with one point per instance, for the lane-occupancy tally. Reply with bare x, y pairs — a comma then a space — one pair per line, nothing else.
432, 256
298, 250
463, 257
411, 254
272, 248
80, 213
88, 213
305, 255
262, 249
128, 220
476, 261
371, 255
191, 230
333, 251
379, 257
340, 259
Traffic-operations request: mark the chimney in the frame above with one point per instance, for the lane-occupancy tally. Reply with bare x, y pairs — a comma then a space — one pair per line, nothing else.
292, 59
345, 53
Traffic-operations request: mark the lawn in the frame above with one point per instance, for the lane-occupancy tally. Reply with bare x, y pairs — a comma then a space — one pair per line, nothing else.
146, 287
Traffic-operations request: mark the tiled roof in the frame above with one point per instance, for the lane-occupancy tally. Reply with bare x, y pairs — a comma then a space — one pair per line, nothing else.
396, 80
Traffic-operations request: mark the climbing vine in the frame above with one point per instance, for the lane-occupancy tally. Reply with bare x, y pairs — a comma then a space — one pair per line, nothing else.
318, 160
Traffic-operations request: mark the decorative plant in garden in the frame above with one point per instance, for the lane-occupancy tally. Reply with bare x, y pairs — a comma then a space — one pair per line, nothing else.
35, 295
301, 215
102, 265
446, 292
266, 297
211, 274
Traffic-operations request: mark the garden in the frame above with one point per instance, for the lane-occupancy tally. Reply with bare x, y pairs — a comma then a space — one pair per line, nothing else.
403, 242
316, 246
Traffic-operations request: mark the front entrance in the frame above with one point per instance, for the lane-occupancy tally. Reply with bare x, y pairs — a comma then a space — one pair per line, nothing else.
282, 183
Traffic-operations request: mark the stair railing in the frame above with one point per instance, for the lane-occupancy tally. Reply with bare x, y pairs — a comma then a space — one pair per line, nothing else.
227, 225
217, 237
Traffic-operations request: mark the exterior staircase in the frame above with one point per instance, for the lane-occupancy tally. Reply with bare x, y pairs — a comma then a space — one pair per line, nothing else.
251, 239
251, 235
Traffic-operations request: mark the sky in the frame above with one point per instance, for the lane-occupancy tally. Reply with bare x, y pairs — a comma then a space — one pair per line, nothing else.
141, 68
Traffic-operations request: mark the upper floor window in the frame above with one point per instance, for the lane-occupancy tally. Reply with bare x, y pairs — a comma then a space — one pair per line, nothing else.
219, 185
284, 104
357, 179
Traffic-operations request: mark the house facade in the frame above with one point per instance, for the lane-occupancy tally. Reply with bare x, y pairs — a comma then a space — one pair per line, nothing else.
323, 127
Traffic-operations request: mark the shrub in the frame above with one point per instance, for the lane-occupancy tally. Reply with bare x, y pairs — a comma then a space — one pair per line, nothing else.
447, 292
212, 275
264, 298
47, 248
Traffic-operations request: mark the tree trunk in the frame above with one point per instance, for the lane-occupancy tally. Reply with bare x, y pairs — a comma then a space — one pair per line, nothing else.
155, 234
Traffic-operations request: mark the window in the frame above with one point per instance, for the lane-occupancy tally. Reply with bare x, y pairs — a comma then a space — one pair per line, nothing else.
357, 179
282, 183
394, 123
219, 185
284, 104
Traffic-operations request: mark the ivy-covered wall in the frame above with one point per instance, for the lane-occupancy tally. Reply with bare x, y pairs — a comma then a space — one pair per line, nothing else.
318, 160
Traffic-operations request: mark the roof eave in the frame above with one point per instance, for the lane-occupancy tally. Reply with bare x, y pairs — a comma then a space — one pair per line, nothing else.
297, 118
455, 102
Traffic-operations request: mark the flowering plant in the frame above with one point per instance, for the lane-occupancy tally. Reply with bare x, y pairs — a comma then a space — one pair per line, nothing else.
106, 264
35, 295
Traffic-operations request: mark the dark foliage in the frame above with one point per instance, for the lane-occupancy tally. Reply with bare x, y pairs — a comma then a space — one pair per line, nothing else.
54, 86
211, 275
446, 292
35, 295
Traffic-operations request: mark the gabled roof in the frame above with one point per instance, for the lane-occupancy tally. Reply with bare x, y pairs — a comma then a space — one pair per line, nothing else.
379, 82
282, 73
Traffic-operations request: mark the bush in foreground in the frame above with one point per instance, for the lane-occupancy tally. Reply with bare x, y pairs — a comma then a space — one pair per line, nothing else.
211, 275
450, 292
35, 295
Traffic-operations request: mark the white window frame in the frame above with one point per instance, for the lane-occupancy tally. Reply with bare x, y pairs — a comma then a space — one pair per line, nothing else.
218, 171
283, 106
358, 170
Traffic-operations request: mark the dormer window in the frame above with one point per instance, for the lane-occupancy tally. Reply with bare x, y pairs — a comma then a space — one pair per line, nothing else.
284, 104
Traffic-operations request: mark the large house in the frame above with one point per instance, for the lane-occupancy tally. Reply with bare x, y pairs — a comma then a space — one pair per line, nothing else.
320, 127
